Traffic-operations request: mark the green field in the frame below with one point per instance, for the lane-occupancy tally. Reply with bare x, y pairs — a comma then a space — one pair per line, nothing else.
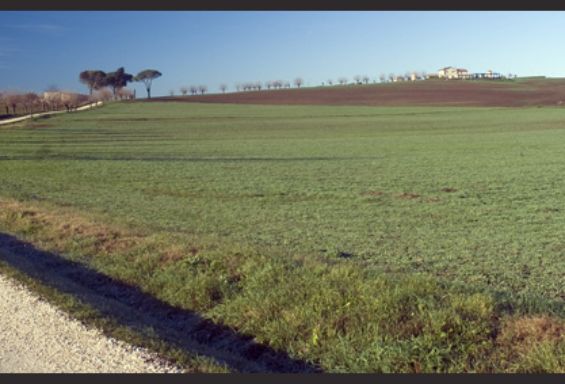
322, 231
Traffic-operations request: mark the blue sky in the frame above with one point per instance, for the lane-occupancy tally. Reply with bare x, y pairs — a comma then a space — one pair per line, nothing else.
39, 49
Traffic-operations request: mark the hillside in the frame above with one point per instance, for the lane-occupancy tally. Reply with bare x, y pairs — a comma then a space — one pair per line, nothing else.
513, 93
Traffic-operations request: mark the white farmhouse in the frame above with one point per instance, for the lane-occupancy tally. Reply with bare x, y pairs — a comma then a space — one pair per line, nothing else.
453, 73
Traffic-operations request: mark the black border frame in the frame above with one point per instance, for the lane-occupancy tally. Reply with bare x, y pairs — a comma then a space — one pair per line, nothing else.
281, 5
278, 5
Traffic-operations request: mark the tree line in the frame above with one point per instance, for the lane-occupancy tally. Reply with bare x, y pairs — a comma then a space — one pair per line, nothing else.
299, 82
14, 102
247, 86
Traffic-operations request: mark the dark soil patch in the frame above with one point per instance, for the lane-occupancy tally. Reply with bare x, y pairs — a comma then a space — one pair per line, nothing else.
448, 190
408, 196
522, 333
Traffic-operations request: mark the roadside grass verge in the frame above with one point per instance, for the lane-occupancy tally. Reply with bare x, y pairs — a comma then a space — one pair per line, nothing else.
326, 311
90, 317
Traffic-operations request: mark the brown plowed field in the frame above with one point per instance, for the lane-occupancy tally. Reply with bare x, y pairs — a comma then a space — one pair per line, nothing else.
501, 93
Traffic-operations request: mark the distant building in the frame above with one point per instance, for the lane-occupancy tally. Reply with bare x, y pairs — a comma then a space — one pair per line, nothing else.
487, 75
453, 73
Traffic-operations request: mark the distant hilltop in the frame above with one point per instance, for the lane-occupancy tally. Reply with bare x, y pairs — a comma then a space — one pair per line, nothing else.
518, 92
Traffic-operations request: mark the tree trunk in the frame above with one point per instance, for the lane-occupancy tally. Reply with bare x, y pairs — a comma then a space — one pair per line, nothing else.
148, 92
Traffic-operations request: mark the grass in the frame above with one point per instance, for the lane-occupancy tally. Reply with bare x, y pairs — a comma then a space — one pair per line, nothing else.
358, 238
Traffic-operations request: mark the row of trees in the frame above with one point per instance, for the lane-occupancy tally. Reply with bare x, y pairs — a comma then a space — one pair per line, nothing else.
30, 102
272, 84
249, 86
383, 78
193, 89
97, 80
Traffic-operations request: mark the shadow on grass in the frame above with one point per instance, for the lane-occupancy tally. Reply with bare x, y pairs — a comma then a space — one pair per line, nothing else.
130, 306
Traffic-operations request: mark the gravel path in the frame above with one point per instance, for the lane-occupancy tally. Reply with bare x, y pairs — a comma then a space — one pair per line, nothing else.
36, 337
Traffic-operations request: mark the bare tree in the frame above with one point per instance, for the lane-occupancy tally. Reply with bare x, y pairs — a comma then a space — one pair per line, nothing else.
4, 102
391, 76
193, 89
77, 99
366, 79
30, 100
172, 92
52, 99
71, 100
258, 85
298, 82
183, 90
103, 94
223, 87
342, 80
13, 99
66, 100
357, 79
382, 77
330, 82
202, 89
125, 94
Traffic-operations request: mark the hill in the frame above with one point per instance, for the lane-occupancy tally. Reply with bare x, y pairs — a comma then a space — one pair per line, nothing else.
509, 93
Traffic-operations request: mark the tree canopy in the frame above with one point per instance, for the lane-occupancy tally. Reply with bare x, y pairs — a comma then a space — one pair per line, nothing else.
118, 79
94, 79
147, 76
